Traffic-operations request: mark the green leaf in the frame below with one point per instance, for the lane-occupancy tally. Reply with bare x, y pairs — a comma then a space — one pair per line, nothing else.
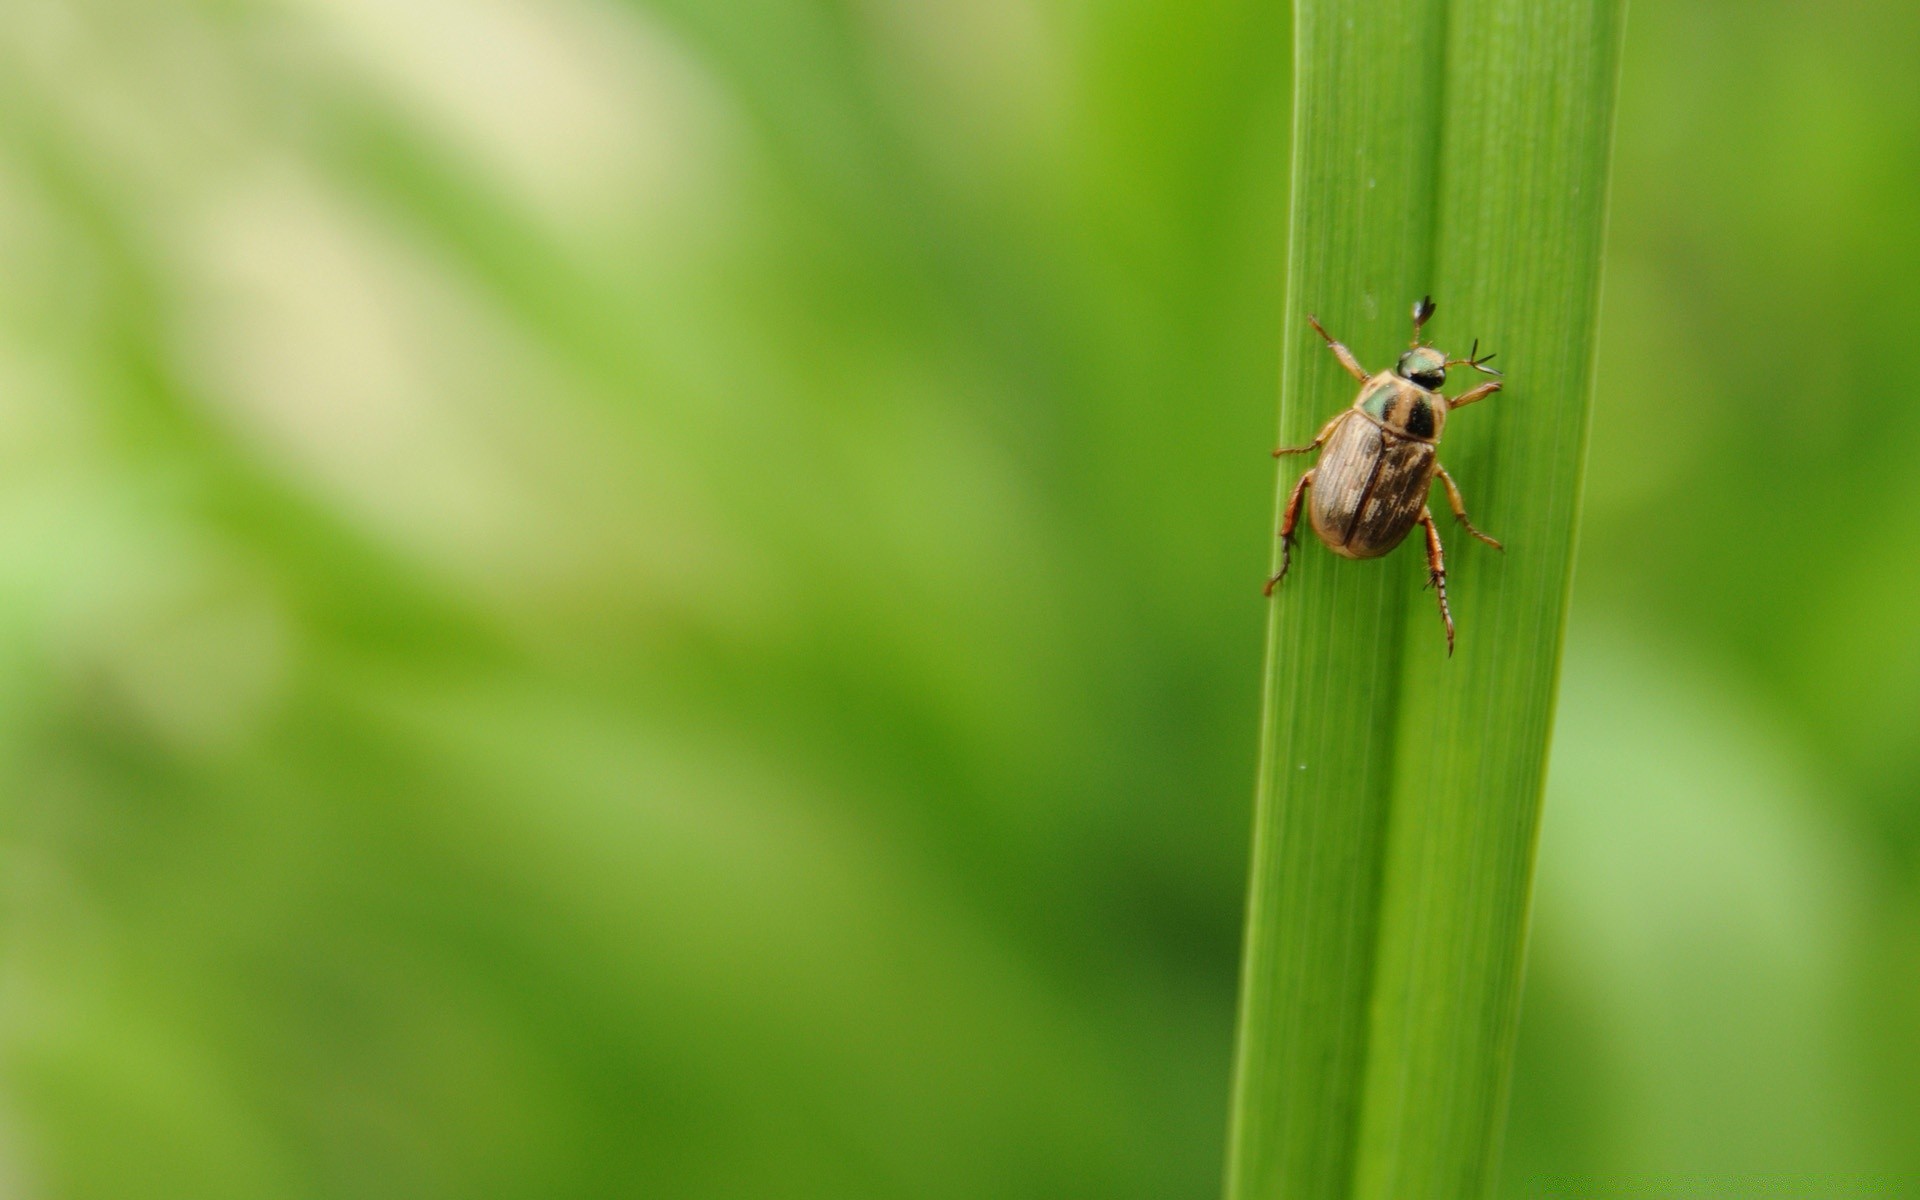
1459, 149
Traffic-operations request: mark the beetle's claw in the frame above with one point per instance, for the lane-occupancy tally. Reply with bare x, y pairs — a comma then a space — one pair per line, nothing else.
1469, 527
1286, 561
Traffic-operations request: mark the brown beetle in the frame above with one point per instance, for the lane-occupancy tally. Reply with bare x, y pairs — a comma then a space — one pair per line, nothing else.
1370, 486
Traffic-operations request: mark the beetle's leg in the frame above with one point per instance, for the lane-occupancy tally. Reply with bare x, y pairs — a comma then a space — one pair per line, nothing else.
1340, 352
1287, 521
1437, 573
1459, 507
1479, 393
1319, 439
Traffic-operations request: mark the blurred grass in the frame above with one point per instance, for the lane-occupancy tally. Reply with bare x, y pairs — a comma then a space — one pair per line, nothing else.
1723, 984
1400, 788
640, 598
558, 613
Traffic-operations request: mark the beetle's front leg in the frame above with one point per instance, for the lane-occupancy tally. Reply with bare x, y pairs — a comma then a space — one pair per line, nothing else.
1287, 521
1340, 352
1437, 573
1479, 393
1319, 439
1459, 507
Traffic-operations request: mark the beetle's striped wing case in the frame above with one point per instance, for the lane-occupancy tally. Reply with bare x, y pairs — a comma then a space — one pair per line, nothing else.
1369, 488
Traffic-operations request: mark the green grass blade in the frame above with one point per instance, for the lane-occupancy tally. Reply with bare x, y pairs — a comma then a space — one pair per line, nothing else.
1459, 149
1365, 154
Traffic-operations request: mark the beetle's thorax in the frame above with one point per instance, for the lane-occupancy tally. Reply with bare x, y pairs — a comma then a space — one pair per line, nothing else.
1402, 407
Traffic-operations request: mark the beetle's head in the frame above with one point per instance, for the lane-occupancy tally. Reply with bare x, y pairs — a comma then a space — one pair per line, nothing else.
1424, 366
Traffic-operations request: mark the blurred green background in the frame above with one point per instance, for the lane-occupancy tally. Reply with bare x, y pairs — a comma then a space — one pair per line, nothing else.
662, 599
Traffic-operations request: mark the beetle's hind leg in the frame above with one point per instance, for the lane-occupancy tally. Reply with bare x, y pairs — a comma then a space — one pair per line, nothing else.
1437, 573
1459, 507
1340, 352
1287, 521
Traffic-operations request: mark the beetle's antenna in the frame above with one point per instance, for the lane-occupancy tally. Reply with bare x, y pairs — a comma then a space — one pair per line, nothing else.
1474, 360
1422, 313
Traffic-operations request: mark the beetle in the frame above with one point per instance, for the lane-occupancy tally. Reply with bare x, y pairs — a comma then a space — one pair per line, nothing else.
1380, 457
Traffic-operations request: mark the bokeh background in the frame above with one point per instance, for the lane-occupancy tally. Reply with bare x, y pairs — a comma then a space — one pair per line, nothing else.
660, 598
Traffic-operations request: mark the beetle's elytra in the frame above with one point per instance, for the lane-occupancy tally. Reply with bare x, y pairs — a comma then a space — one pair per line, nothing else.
1379, 459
